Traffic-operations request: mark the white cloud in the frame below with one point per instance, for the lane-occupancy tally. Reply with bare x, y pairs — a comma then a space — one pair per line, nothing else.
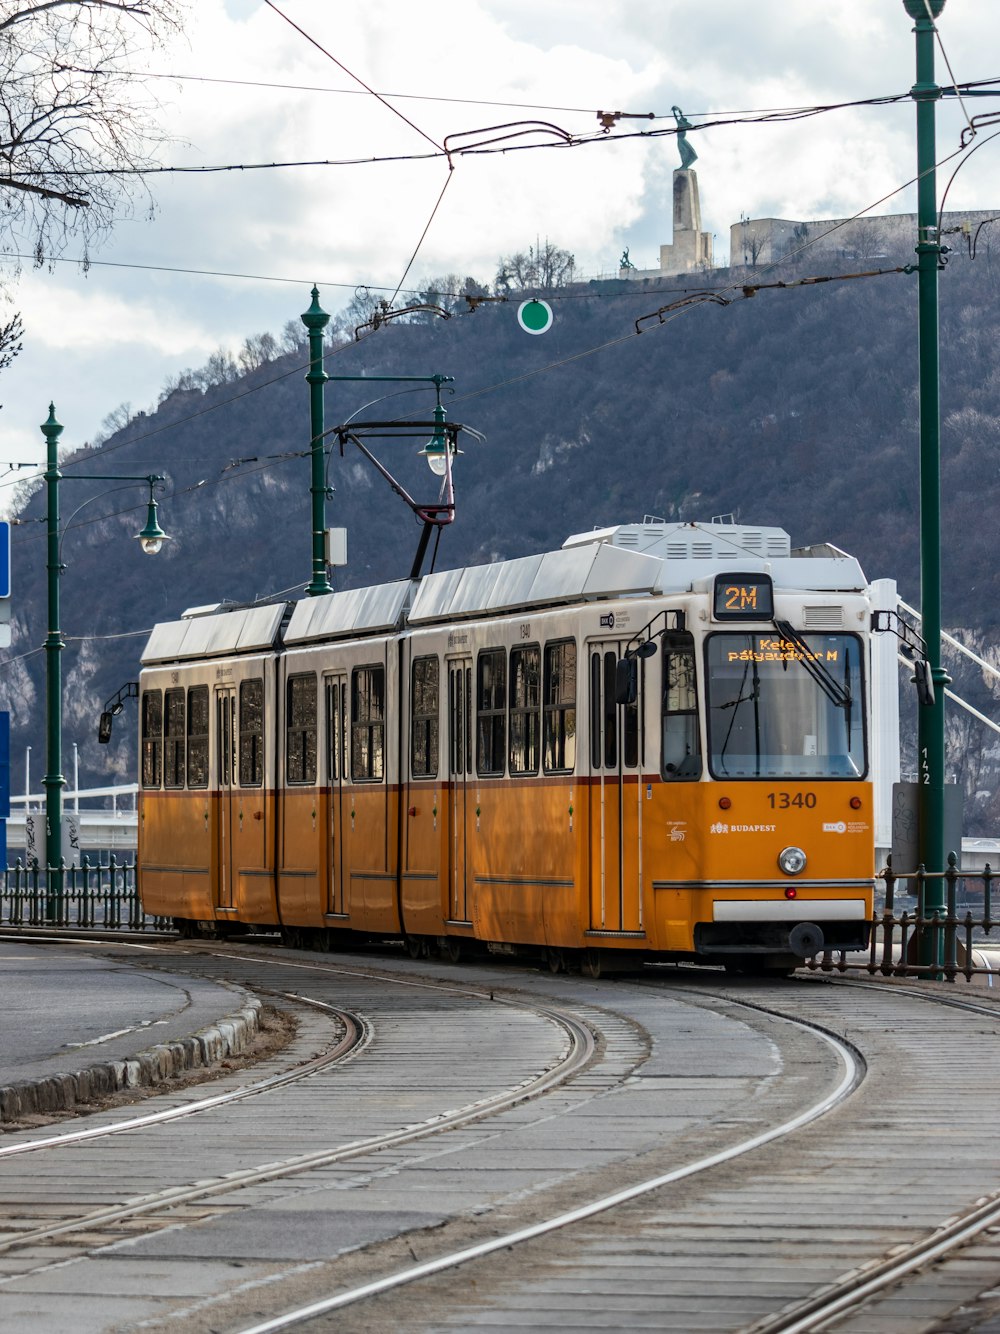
115, 335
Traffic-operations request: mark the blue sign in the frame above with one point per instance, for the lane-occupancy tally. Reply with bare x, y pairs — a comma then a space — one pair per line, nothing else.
4, 781
4, 560
4, 765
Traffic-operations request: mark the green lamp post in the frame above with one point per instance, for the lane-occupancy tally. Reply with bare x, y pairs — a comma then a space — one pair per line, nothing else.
316, 319
930, 252
151, 539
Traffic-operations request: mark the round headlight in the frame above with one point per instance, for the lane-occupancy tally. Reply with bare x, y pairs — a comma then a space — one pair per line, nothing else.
792, 860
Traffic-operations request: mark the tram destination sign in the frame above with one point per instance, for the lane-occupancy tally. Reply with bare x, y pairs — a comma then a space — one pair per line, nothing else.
743, 597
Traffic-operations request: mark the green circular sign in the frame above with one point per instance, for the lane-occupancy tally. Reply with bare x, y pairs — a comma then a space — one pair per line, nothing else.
534, 316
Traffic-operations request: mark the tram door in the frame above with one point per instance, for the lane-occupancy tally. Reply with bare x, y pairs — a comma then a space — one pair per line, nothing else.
615, 796
459, 778
225, 752
336, 740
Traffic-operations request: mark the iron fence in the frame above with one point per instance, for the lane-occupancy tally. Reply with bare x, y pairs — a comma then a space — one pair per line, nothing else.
910, 939
102, 896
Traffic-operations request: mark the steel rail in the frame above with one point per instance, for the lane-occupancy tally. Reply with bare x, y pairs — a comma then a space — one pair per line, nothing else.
579, 1053
853, 1072
357, 1035
850, 1292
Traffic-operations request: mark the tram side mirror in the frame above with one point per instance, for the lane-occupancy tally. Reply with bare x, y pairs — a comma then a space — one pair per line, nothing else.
104, 728
626, 681
924, 681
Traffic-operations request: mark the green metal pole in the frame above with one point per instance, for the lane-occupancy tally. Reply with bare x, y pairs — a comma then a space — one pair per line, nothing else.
931, 726
316, 319
54, 781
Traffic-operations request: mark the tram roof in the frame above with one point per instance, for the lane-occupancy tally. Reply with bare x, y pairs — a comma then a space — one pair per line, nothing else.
249, 630
628, 560
554, 577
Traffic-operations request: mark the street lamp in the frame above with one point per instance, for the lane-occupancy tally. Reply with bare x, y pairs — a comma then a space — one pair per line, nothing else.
439, 450
151, 539
930, 252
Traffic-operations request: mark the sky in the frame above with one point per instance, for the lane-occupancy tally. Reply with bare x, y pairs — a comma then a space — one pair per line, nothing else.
113, 335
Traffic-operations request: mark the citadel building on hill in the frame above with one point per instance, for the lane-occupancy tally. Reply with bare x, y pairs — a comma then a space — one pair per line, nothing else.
759, 241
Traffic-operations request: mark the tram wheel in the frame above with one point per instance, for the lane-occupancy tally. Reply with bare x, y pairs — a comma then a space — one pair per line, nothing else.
556, 960
291, 937
415, 947
452, 949
590, 963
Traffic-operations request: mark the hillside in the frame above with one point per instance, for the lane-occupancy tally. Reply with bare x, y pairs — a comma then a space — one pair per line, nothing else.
797, 408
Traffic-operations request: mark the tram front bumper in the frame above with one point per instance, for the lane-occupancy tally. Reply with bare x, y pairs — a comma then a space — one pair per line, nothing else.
802, 928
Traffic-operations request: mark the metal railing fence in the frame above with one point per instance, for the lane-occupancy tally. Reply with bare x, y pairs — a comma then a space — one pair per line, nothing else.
931, 943
98, 896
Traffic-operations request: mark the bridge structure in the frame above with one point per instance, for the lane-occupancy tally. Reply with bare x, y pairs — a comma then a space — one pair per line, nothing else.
101, 828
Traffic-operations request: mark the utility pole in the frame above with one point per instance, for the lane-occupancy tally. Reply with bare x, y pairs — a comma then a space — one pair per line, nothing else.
316, 319
930, 252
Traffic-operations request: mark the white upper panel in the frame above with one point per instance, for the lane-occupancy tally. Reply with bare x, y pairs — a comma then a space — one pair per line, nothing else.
355, 611
692, 552
593, 571
252, 629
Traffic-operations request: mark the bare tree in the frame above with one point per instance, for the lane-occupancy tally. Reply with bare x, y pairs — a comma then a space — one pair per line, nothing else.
76, 129
257, 351
543, 266
754, 242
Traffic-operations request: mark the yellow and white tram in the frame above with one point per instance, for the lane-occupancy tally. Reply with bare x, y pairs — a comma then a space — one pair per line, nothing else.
650, 744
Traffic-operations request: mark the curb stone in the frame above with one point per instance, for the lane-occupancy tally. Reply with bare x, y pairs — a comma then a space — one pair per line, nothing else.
229, 1036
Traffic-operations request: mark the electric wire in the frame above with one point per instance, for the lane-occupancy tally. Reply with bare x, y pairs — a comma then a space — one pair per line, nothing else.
329, 55
944, 56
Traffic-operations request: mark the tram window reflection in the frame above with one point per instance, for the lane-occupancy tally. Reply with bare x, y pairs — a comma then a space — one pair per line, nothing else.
173, 739
559, 696
197, 737
769, 716
424, 717
681, 758
491, 712
152, 737
525, 706
252, 733
300, 732
368, 723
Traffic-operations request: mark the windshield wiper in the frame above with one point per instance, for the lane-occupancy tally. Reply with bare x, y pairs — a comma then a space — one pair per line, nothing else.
838, 694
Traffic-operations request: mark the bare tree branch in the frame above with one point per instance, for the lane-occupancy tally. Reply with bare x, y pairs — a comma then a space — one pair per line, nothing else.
67, 106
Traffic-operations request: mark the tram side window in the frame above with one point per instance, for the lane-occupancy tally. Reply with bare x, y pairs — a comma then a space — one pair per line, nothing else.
300, 729
459, 721
197, 737
491, 712
681, 757
604, 716
152, 737
336, 702
525, 705
368, 723
252, 733
424, 718
559, 715
173, 738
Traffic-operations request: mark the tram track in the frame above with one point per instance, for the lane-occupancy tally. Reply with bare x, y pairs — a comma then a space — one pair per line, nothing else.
823, 1310
831, 1302
580, 1047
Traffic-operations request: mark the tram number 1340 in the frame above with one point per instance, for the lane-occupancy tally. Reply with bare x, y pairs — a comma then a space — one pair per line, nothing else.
783, 801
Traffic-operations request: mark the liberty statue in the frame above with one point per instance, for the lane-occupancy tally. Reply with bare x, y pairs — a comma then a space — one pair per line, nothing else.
688, 155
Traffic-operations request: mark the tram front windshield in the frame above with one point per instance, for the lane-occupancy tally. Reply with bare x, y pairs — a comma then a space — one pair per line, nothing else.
770, 716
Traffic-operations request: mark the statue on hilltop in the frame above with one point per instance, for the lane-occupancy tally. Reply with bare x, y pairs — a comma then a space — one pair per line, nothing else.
688, 155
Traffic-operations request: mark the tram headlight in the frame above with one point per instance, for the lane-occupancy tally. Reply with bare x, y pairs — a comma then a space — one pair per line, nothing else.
792, 860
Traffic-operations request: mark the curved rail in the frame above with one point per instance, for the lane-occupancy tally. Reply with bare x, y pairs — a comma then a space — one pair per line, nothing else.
356, 1037
853, 1071
580, 1051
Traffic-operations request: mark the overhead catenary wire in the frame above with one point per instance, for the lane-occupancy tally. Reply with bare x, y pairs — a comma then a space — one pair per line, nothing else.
330, 56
